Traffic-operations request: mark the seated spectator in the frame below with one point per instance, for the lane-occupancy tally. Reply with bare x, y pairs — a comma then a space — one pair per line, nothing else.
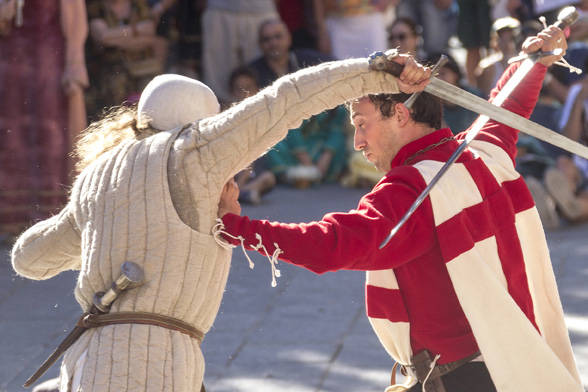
313, 153
126, 52
242, 84
277, 57
455, 117
566, 184
404, 34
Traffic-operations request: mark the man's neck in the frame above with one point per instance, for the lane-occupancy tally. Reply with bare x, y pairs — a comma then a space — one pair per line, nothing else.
418, 130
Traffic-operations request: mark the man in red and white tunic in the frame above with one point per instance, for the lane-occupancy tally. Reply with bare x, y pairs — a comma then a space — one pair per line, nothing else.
468, 279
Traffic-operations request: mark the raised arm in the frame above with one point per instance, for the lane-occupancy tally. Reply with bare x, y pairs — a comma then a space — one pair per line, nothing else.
244, 132
48, 248
523, 99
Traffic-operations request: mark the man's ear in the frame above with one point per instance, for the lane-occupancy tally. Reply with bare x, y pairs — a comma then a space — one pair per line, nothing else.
402, 113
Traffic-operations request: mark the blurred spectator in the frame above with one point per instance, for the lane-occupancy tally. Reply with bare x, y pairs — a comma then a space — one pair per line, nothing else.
257, 180
301, 18
504, 43
355, 28
277, 57
313, 153
42, 77
518, 9
565, 186
126, 52
473, 30
438, 19
187, 54
455, 117
229, 33
568, 182
404, 34
316, 150
242, 84
579, 30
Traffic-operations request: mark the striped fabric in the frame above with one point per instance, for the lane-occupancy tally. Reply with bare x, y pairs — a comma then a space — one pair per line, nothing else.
495, 251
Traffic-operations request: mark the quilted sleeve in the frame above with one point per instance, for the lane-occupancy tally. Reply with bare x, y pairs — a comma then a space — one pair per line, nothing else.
48, 247
236, 137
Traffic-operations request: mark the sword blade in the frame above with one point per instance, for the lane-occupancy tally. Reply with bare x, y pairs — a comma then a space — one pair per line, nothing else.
487, 110
479, 105
69, 340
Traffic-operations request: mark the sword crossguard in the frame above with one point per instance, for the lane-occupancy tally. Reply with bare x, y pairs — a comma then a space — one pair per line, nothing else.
440, 63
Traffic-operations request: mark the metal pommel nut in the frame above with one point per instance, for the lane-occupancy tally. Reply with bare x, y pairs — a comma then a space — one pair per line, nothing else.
568, 16
377, 61
131, 276
133, 272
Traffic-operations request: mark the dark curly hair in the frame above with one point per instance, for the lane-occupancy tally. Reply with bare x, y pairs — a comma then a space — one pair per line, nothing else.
426, 109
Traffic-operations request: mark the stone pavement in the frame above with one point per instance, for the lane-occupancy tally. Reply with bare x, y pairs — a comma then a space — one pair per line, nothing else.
308, 334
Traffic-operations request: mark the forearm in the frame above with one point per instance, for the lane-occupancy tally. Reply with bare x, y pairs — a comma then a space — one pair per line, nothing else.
524, 97
345, 240
75, 31
521, 101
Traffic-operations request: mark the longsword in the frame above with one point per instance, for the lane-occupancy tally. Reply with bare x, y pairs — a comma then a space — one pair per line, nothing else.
492, 110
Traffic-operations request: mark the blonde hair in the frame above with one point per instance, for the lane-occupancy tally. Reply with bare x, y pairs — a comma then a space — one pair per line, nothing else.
118, 124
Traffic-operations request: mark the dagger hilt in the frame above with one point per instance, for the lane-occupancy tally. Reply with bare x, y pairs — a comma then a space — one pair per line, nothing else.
131, 276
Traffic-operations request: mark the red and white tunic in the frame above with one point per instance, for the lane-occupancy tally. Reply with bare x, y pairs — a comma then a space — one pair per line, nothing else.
469, 271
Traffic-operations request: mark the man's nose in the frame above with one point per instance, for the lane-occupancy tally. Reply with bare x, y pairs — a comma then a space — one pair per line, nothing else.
358, 141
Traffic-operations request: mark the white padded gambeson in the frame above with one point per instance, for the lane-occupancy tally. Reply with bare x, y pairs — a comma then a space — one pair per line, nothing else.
121, 209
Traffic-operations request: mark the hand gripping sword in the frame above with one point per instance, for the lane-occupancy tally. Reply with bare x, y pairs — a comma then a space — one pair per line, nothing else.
488, 110
131, 276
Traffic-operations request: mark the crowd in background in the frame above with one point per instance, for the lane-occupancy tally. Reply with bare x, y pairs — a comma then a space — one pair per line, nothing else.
63, 64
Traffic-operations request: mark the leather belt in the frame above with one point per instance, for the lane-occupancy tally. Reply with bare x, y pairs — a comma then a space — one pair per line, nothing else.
421, 367
89, 320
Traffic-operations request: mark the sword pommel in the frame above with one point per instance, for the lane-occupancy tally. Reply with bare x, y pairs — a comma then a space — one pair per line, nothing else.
567, 17
131, 276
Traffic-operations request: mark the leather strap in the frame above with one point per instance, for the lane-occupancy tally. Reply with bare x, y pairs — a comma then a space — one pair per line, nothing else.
99, 320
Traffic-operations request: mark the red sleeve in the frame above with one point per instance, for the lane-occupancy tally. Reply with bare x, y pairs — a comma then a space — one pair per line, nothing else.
348, 240
521, 101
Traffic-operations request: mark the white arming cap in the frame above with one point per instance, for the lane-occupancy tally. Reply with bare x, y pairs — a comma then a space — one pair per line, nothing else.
170, 101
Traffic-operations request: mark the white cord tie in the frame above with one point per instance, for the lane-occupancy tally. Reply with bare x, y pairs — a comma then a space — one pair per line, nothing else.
432, 366
562, 62
218, 230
